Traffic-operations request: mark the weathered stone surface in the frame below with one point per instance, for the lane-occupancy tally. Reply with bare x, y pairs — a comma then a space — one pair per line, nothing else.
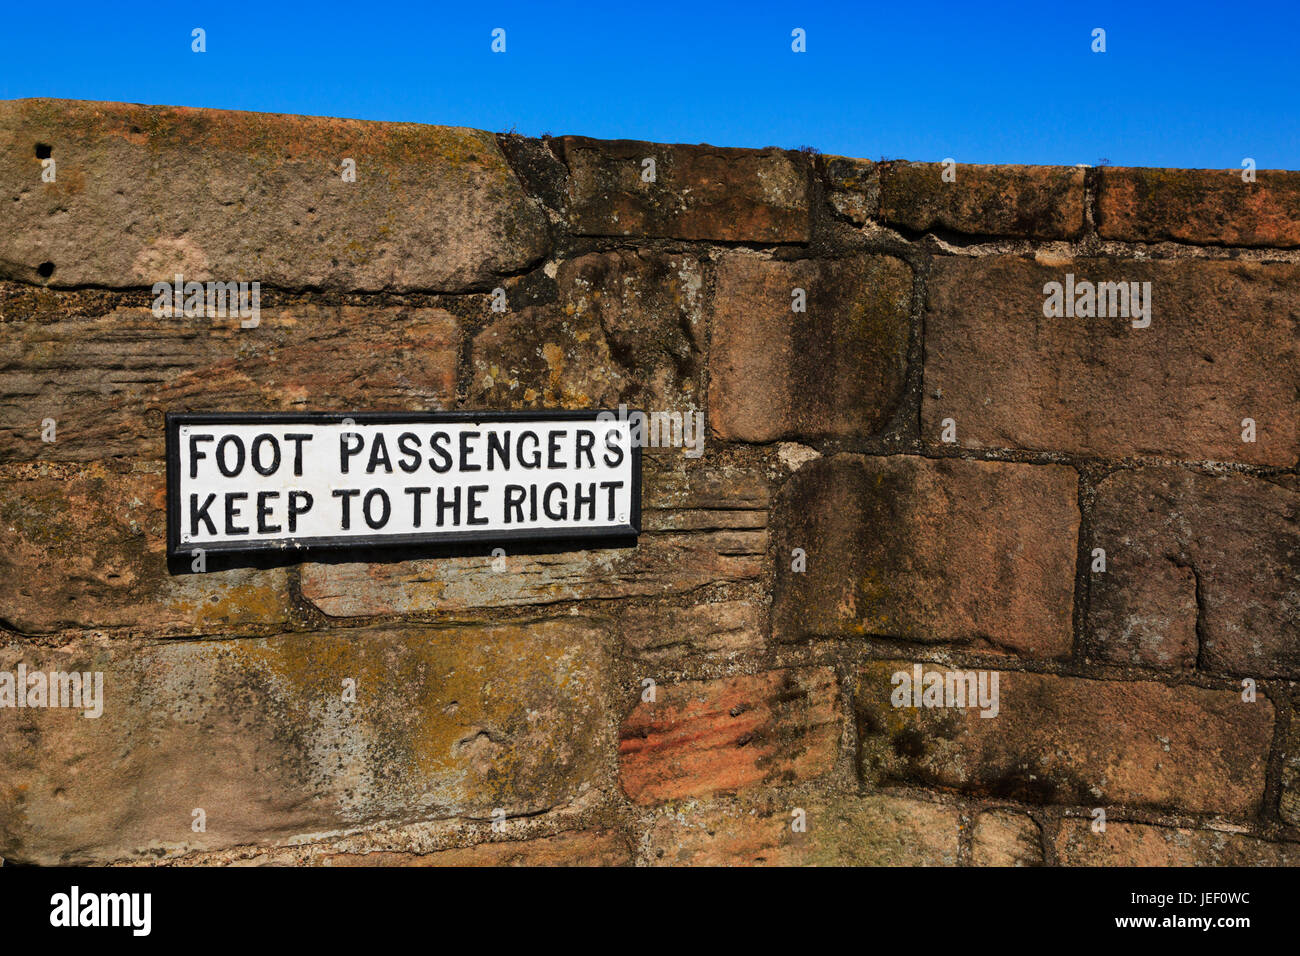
1041, 202
1006, 838
108, 381
699, 192
469, 702
1139, 844
627, 327
659, 564
701, 737
255, 733
1200, 206
1068, 740
656, 632
853, 187
89, 551
145, 192
1222, 346
834, 371
596, 847
727, 490
1289, 803
703, 524
700, 495
929, 550
877, 830
1202, 571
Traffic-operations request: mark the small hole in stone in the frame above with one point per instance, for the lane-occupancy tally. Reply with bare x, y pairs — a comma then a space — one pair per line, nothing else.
45, 270
43, 150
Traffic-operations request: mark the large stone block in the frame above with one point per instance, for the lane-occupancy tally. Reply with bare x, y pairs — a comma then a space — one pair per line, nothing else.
702, 737
626, 327
597, 847
1006, 838
1223, 345
1040, 202
1202, 571
833, 371
145, 192
1070, 740
659, 564
876, 830
1139, 844
936, 551
1200, 206
89, 551
256, 733
698, 192
108, 381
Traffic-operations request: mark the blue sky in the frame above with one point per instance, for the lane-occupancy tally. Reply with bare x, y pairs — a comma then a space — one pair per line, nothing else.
1193, 84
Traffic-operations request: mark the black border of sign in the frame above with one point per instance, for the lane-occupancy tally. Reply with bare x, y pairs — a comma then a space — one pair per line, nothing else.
175, 420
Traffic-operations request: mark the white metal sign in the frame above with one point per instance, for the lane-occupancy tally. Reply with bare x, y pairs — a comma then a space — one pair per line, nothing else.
243, 482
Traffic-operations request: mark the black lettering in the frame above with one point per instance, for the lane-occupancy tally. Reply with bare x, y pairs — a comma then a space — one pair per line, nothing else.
536, 460
365, 508
474, 504
296, 509
297, 440
499, 447
553, 447
612, 445
263, 509
515, 495
415, 494
563, 512
436, 445
346, 494
257, 458
579, 500
442, 505
613, 486
221, 456
379, 450
346, 452
584, 440
196, 454
409, 443
466, 451
198, 514
232, 512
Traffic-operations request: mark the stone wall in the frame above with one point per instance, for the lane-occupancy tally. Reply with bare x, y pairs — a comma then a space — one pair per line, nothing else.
919, 468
